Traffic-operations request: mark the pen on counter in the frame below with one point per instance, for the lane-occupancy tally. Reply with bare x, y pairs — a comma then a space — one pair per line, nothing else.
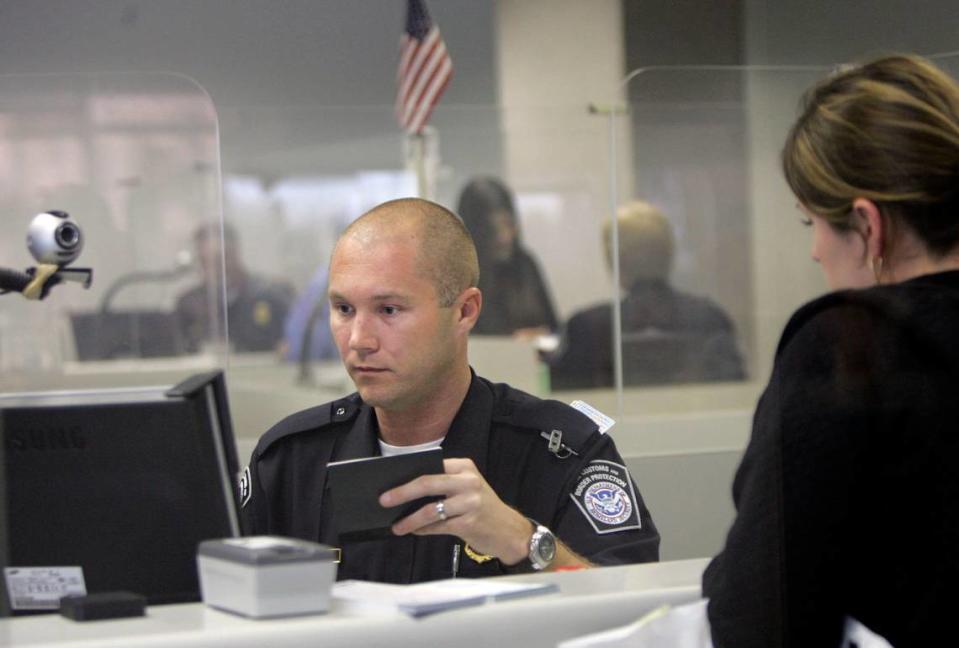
456, 559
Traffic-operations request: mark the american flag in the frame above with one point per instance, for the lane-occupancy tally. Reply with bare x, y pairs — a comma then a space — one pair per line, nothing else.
425, 68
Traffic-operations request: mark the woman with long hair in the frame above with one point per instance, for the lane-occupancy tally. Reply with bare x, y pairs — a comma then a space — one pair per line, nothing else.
848, 494
516, 300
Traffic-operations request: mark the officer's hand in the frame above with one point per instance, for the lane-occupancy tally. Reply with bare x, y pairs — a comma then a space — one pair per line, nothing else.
474, 512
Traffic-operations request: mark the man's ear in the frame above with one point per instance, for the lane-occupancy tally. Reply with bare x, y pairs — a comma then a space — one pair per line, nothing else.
867, 219
468, 307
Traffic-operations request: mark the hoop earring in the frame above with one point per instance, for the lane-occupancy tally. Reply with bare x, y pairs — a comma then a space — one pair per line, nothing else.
876, 266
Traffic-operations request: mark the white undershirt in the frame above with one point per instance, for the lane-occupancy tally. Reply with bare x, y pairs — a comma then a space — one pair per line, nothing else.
388, 450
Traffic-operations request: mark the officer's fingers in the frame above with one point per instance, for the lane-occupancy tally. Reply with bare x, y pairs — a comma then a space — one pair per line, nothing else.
459, 466
429, 518
464, 477
459, 515
422, 486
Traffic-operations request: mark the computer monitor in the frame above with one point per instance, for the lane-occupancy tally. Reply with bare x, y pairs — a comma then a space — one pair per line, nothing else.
120, 483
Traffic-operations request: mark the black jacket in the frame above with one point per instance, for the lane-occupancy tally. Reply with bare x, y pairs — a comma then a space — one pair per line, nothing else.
256, 313
588, 499
515, 296
668, 337
848, 495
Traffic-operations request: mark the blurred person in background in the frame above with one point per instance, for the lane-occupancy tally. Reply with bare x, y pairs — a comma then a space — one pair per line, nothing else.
256, 307
307, 326
668, 335
516, 300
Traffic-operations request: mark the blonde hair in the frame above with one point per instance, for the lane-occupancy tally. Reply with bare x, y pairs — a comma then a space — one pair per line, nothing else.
645, 243
888, 131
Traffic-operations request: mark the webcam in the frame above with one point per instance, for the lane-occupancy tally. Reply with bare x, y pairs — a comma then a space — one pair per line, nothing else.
54, 239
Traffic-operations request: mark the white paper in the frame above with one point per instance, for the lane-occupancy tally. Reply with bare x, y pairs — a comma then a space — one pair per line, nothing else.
427, 598
493, 590
683, 626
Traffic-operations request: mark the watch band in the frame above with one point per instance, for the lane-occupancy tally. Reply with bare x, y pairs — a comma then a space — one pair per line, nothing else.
542, 551
542, 547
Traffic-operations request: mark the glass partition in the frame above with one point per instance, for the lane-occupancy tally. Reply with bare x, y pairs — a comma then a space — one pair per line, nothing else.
134, 160
699, 144
540, 259
712, 258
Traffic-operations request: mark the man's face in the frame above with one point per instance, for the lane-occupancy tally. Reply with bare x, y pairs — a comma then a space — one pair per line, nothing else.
396, 341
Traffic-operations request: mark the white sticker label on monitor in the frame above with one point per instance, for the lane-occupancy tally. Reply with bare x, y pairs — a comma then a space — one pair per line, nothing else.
40, 588
604, 422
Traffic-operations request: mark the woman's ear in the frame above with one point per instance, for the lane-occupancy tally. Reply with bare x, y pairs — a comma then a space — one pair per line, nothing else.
868, 221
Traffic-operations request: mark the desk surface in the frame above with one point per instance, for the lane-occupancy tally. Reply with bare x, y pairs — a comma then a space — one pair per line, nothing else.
588, 601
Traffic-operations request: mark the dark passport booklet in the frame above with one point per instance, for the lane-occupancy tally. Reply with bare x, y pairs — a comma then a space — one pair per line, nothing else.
356, 485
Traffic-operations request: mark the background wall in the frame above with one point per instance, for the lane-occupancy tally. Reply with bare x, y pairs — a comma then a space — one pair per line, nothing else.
551, 66
820, 32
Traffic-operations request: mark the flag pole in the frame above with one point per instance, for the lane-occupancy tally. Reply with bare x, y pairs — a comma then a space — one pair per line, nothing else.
415, 161
419, 165
424, 71
422, 159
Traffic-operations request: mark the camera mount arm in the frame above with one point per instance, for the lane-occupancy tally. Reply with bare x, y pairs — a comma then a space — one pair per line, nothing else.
42, 274
36, 282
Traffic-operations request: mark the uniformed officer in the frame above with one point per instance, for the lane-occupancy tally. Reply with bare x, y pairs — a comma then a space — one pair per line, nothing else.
528, 483
256, 306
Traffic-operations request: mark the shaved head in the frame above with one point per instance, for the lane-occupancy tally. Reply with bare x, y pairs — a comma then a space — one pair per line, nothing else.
445, 253
645, 243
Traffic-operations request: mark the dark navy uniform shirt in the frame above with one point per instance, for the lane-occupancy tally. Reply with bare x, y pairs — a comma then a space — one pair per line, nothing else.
588, 499
256, 314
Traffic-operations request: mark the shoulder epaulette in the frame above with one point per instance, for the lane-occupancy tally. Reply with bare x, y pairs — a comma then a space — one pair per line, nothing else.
338, 411
564, 428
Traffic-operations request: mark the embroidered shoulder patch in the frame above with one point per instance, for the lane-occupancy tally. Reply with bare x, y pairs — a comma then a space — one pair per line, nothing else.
246, 484
605, 496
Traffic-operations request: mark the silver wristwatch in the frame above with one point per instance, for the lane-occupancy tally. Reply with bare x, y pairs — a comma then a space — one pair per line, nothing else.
542, 547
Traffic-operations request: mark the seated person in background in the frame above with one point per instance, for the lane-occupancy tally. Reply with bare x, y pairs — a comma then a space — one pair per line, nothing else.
847, 496
256, 308
403, 300
668, 336
516, 300
307, 326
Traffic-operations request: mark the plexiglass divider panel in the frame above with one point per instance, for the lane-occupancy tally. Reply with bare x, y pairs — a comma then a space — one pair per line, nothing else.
712, 258
703, 189
689, 143
134, 160
318, 169
328, 165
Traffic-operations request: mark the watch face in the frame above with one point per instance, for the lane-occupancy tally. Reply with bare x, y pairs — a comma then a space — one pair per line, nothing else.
542, 548
547, 547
